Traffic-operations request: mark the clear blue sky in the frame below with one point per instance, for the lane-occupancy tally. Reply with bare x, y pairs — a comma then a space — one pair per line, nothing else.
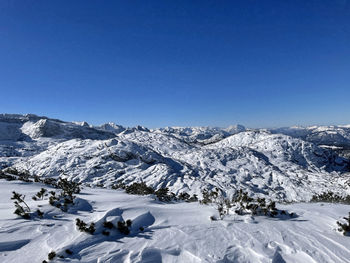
165, 63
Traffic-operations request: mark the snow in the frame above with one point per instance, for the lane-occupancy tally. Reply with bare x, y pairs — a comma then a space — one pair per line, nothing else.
173, 232
327, 135
189, 159
286, 164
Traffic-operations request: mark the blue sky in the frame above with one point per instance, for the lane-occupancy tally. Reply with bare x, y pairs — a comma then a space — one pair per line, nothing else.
183, 63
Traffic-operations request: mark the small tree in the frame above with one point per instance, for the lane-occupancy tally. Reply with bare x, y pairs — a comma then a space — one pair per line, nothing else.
68, 187
22, 209
40, 194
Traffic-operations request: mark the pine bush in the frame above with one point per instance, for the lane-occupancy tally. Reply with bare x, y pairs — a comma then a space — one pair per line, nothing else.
22, 209
345, 227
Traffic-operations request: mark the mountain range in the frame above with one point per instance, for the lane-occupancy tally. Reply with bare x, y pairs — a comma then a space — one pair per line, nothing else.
286, 164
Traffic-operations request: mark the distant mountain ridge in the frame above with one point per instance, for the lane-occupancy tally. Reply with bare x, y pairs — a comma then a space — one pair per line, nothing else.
286, 164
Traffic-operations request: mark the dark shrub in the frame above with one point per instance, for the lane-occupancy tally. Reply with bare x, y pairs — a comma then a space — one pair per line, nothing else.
123, 227
108, 224
330, 197
163, 195
139, 189
51, 255
345, 227
82, 226
22, 209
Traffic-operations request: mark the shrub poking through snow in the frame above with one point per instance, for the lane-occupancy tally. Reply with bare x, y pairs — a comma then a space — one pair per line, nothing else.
242, 204
7, 177
51, 255
209, 196
66, 197
68, 187
83, 227
40, 194
184, 196
345, 227
330, 197
124, 227
108, 224
22, 209
19, 175
163, 195
48, 181
139, 189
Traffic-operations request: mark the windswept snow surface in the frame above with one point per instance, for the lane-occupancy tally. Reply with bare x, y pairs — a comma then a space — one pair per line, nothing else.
173, 232
281, 166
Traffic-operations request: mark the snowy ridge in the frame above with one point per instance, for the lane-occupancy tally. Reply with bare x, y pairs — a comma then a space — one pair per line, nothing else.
202, 135
320, 135
263, 162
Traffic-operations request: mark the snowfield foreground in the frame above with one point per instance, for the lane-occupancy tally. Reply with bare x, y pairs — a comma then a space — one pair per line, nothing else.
172, 232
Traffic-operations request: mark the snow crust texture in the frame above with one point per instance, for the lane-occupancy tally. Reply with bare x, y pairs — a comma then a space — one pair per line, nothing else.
172, 232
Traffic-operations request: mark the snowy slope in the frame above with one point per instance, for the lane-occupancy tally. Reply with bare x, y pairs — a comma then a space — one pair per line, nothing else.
178, 232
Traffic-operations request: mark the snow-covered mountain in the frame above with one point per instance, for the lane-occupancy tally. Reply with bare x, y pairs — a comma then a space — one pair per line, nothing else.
203, 135
284, 164
321, 135
28, 127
